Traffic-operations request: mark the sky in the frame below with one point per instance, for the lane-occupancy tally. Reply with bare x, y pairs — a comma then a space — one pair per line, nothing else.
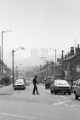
37, 25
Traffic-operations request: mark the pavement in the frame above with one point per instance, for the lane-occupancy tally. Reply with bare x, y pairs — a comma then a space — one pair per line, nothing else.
4, 90
22, 105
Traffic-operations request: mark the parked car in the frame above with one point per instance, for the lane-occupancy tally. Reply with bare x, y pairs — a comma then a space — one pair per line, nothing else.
48, 82
19, 84
76, 89
5, 81
60, 86
73, 86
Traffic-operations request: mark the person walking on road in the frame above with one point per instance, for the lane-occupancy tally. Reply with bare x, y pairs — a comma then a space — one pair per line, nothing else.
35, 89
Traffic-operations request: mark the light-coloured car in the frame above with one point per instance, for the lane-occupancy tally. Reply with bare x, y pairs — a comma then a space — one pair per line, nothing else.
76, 89
19, 84
60, 86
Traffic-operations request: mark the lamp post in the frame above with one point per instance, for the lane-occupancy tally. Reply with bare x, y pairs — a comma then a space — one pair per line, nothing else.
55, 64
13, 51
2, 34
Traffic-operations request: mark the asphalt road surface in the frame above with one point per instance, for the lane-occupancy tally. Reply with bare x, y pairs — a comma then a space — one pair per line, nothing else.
22, 105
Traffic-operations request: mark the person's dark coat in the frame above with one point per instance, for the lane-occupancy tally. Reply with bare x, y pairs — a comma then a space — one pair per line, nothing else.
35, 89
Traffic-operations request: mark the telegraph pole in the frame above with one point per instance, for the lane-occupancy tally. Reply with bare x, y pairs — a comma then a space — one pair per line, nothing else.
47, 68
55, 56
55, 64
0, 60
13, 67
2, 48
62, 57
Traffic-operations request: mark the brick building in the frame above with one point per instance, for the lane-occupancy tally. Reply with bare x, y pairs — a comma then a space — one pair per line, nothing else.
71, 64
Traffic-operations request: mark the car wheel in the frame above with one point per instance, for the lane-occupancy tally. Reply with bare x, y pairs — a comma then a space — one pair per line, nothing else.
76, 97
24, 88
69, 93
64, 93
55, 92
14, 88
46, 87
51, 91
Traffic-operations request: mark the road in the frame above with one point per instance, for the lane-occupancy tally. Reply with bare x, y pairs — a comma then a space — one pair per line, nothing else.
22, 105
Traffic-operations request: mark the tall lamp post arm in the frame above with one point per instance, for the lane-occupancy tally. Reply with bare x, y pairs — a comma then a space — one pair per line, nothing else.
22, 48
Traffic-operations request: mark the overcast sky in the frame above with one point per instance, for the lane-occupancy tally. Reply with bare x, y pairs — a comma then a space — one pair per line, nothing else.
38, 24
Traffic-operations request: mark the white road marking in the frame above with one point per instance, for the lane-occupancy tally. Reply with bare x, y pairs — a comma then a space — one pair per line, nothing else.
61, 102
74, 105
18, 116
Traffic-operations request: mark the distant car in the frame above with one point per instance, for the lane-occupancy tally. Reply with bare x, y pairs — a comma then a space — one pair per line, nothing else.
76, 89
19, 84
28, 82
60, 86
48, 82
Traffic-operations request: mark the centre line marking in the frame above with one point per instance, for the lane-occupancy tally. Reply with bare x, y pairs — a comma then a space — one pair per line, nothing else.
61, 102
18, 116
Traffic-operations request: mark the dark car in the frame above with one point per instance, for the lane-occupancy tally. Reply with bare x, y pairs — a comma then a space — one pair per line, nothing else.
5, 81
60, 86
48, 82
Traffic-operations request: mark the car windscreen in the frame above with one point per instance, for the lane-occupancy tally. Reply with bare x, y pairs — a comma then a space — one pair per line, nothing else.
61, 83
19, 81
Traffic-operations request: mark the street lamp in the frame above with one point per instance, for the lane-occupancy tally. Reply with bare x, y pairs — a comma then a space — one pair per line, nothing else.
13, 51
2, 34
